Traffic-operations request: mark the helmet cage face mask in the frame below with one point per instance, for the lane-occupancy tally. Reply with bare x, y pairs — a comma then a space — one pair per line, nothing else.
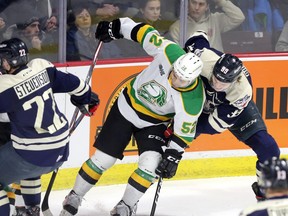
187, 67
177, 82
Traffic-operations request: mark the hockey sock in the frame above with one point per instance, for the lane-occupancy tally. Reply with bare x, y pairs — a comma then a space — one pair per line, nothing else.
4, 203
87, 177
138, 183
31, 191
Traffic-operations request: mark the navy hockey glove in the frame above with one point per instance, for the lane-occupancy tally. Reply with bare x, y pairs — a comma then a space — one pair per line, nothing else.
108, 31
88, 109
168, 165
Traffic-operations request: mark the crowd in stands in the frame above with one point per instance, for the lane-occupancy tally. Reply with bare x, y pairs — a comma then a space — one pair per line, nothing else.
234, 26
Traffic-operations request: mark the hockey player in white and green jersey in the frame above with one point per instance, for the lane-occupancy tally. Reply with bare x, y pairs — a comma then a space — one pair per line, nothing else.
169, 88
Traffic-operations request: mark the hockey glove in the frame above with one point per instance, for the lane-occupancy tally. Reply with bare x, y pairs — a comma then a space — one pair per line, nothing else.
168, 165
259, 194
108, 31
88, 109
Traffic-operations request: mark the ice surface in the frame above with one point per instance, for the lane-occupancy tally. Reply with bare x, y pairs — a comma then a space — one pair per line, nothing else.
198, 197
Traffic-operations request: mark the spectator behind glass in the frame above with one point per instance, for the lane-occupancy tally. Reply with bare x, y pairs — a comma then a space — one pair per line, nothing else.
3, 26
200, 18
42, 7
81, 42
149, 12
50, 27
282, 43
30, 32
99, 9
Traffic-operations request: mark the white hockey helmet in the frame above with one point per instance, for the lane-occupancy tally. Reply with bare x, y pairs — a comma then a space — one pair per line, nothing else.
188, 67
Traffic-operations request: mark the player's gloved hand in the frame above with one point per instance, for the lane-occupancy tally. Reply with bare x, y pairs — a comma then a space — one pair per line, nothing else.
197, 42
88, 109
168, 165
108, 31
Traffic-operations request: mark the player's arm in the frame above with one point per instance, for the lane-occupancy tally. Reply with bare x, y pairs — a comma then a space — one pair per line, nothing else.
231, 17
142, 33
222, 118
198, 42
81, 95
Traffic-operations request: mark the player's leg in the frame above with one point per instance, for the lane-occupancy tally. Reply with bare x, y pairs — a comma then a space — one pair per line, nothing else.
265, 147
20, 208
110, 144
15, 169
31, 193
4, 202
251, 130
150, 141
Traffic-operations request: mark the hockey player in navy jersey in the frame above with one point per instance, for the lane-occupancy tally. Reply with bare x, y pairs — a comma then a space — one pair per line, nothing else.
229, 104
274, 182
170, 87
39, 131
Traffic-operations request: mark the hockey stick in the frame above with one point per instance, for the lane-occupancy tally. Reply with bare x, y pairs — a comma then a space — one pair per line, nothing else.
87, 80
45, 203
157, 193
73, 125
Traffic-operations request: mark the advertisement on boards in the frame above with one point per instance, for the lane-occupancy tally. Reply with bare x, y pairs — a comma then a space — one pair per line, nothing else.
270, 88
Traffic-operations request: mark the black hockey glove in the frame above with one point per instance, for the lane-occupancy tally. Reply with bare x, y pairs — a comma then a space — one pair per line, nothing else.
88, 109
108, 31
168, 165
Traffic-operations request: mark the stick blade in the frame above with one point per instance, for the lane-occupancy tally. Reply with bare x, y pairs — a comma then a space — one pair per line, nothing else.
47, 212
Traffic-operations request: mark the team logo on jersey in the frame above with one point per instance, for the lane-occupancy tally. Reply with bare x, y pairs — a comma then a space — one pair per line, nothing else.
153, 93
234, 113
241, 103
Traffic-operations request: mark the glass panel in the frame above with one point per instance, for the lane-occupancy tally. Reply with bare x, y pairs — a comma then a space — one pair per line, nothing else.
236, 26
36, 25
259, 31
80, 38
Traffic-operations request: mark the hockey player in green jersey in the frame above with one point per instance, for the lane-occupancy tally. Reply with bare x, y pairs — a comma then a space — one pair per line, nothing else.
170, 87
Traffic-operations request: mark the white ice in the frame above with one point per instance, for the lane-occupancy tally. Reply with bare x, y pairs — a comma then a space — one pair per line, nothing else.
198, 197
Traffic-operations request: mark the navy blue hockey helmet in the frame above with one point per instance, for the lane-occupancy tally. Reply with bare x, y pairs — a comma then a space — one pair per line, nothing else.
14, 51
274, 174
227, 68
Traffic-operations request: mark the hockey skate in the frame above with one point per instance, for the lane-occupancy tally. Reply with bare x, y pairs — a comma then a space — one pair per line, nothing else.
19, 211
71, 203
122, 209
33, 211
258, 193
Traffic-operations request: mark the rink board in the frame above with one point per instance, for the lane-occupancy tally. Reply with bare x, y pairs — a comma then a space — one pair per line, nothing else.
207, 156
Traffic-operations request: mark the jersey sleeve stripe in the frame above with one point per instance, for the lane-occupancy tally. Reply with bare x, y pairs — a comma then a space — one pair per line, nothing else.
80, 90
